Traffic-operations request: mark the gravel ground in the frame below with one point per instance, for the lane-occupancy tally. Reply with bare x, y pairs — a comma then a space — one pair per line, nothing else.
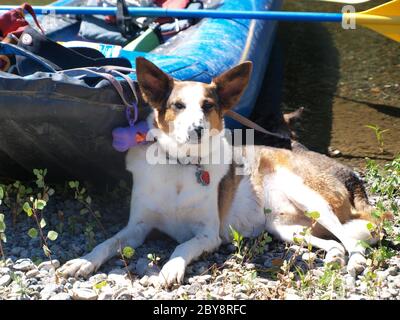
214, 276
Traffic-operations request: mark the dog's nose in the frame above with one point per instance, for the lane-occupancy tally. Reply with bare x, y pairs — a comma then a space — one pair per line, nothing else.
199, 131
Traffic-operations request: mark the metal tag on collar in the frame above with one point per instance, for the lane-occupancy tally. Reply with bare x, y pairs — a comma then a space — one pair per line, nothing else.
203, 176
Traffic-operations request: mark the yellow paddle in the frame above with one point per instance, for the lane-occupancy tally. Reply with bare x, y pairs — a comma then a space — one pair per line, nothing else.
384, 19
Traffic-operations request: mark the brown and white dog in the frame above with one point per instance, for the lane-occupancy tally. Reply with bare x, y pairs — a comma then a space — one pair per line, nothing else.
196, 203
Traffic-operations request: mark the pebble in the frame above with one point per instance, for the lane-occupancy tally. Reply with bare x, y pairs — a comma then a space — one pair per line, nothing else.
49, 290
144, 281
119, 280
32, 273
308, 256
106, 294
84, 294
203, 279
193, 288
47, 265
240, 296
350, 281
5, 280
4, 270
385, 294
23, 265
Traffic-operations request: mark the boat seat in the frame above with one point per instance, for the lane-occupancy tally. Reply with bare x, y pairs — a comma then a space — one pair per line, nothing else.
61, 57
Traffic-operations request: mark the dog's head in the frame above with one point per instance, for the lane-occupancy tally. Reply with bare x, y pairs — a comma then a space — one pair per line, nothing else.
189, 113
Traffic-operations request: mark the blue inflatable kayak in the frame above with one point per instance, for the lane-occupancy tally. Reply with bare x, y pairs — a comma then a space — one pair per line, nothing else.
65, 125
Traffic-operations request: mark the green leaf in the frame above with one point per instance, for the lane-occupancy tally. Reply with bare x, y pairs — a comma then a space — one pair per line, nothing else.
83, 211
2, 226
52, 235
1, 193
100, 285
267, 211
128, 252
267, 239
313, 215
46, 250
88, 200
370, 226
364, 244
33, 233
3, 237
27, 208
42, 223
1, 217
40, 204
71, 184
36, 172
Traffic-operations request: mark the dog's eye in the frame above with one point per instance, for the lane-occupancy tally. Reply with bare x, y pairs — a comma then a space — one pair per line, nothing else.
179, 106
207, 106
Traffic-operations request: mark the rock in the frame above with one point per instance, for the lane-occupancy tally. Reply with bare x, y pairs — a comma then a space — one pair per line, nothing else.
84, 294
4, 270
149, 293
97, 278
123, 295
144, 281
32, 273
194, 288
9, 262
291, 294
250, 266
61, 296
393, 292
385, 294
397, 282
308, 257
5, 280
356, 297
119, 280
106, 294
392, 271
350, 281
24, 265
240, 296
203, 279
49, 290
47, 265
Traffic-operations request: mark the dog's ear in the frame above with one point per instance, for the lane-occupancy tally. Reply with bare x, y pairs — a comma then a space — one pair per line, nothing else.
155, 85
232, 83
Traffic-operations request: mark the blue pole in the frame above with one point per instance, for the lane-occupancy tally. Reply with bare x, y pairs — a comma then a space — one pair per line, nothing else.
182, 13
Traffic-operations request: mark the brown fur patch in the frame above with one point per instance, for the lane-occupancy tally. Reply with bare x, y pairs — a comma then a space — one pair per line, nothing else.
226, 192
215, 119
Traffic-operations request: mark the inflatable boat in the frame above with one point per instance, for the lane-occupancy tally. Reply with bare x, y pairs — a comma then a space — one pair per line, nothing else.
54, 121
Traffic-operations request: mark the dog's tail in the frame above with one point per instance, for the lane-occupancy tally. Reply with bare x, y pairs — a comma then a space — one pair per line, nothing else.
364, 210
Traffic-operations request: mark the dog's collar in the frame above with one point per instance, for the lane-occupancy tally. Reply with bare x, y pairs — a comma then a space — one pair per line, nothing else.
202, 175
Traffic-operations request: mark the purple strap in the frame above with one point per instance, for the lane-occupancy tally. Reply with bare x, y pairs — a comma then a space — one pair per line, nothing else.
107, 72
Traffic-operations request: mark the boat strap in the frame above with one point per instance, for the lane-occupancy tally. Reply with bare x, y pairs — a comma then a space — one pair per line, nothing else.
108, 73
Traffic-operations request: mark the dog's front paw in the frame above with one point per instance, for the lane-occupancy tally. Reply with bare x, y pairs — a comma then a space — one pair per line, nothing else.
335, 255
81, 267
173, 272
356, 264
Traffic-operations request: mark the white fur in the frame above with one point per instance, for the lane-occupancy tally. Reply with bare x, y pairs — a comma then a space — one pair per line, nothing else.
169, 198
